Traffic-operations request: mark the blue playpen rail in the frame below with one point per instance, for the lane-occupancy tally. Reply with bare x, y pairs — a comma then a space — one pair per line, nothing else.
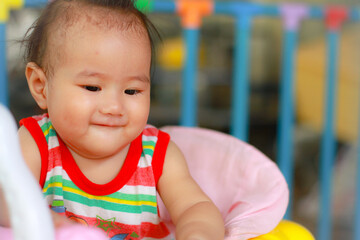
244, 13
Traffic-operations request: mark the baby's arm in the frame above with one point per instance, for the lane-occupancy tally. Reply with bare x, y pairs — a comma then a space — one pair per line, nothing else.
193, 213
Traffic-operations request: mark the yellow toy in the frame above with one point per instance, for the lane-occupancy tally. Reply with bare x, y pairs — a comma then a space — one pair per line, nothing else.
287, 230
6, 6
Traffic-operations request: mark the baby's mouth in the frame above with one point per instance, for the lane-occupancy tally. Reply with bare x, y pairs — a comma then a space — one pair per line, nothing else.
109, 125
110, 122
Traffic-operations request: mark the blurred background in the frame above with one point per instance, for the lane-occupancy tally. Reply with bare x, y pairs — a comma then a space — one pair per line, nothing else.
214, 94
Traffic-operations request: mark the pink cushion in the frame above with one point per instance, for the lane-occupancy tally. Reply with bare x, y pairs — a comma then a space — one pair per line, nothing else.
6, 233
69, 232
245, 185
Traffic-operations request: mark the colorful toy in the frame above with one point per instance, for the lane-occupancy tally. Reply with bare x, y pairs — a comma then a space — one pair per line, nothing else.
6, 6
287, 230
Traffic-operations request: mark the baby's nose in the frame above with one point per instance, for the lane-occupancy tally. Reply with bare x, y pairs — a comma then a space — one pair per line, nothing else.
112, 104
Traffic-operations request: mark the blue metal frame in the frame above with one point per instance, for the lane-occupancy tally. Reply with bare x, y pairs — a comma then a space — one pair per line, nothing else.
189, 83
292, 16
244, 13
357, 193
4, 91
286, 113
328, 147
164, 6
241, 85
35, 3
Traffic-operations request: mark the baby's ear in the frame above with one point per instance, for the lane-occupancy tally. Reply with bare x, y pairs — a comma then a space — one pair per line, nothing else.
37, 82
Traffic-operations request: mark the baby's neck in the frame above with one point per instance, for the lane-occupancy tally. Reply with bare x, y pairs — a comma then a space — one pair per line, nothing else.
101, 171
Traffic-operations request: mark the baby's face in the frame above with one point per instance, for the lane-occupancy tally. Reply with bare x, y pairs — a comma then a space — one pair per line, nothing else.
99, 96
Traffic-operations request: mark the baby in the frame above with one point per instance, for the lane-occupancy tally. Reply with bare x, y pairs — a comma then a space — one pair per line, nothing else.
97, 160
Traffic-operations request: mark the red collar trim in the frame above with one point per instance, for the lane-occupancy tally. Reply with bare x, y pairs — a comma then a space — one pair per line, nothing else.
124, 175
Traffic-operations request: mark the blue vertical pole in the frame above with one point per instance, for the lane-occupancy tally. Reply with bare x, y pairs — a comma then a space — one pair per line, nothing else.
356, 16
189, 87
241, 85
357, 196
286, 115
328, 139
4, 95
292, 14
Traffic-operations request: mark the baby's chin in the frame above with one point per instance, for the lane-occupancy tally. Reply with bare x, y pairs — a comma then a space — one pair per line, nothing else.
100, 149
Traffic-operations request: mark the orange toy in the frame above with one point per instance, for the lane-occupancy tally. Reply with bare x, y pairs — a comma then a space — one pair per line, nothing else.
192, 11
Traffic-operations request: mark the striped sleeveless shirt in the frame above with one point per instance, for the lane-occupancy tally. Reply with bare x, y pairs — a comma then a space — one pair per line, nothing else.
124, 208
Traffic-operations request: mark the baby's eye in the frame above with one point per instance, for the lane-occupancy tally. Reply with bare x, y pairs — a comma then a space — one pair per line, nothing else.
132, 91
92, 88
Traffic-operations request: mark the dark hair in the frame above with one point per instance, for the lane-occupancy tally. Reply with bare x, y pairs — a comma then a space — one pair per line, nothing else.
60, 14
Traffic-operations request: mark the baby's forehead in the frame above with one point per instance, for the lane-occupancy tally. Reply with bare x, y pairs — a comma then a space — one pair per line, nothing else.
104, 18
78, 18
